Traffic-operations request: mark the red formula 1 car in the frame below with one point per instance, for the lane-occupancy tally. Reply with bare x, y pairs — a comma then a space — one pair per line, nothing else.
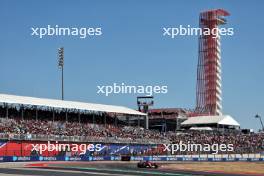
147, 164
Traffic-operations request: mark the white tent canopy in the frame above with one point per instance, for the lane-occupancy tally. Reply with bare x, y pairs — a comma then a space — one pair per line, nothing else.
13, 99
203, 120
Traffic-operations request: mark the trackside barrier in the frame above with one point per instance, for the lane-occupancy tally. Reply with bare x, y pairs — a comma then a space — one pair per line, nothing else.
118, 158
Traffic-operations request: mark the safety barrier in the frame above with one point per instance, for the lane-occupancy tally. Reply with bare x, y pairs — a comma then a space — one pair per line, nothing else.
118, 158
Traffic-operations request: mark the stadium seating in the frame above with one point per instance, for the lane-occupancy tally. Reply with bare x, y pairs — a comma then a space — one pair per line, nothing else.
113, 132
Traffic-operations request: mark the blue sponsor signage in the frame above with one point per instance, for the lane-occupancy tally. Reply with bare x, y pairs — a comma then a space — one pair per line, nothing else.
97, 158
21, 158
137, 158
48, 159
34, 158
74, 158
147, 158
60, 158
118, 158
107, 158
171, 158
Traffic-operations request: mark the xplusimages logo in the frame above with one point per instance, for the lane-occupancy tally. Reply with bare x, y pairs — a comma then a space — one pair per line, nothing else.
80, 32
181, 30
123, 88
192, 147
58, 147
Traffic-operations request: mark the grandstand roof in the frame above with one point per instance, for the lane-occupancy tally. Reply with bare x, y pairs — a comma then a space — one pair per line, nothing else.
53, 103
221, 120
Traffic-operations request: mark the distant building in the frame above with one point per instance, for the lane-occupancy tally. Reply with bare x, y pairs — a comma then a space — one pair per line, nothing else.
167, 119
211, 122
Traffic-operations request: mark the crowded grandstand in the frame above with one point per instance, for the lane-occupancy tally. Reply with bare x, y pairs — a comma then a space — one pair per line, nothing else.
24, 125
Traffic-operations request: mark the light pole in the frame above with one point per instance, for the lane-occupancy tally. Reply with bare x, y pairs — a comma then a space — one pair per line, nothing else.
260, 119
61, 65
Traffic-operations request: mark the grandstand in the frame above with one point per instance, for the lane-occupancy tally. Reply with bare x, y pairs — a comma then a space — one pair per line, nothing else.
26, 122
24, 115
23, 108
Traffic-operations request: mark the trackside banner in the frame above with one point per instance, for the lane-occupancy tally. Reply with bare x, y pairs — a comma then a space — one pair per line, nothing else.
118, 158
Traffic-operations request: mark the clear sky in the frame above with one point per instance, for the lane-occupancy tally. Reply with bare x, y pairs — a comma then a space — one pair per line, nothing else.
132, 50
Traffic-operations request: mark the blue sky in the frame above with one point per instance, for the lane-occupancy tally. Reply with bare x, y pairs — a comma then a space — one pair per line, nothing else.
131, 44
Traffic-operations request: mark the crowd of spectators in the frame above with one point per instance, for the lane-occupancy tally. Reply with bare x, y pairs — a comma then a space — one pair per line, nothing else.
242, 143
59, 128
106, 127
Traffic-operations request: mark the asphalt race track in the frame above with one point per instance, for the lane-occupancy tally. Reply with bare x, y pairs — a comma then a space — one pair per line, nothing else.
91, 168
